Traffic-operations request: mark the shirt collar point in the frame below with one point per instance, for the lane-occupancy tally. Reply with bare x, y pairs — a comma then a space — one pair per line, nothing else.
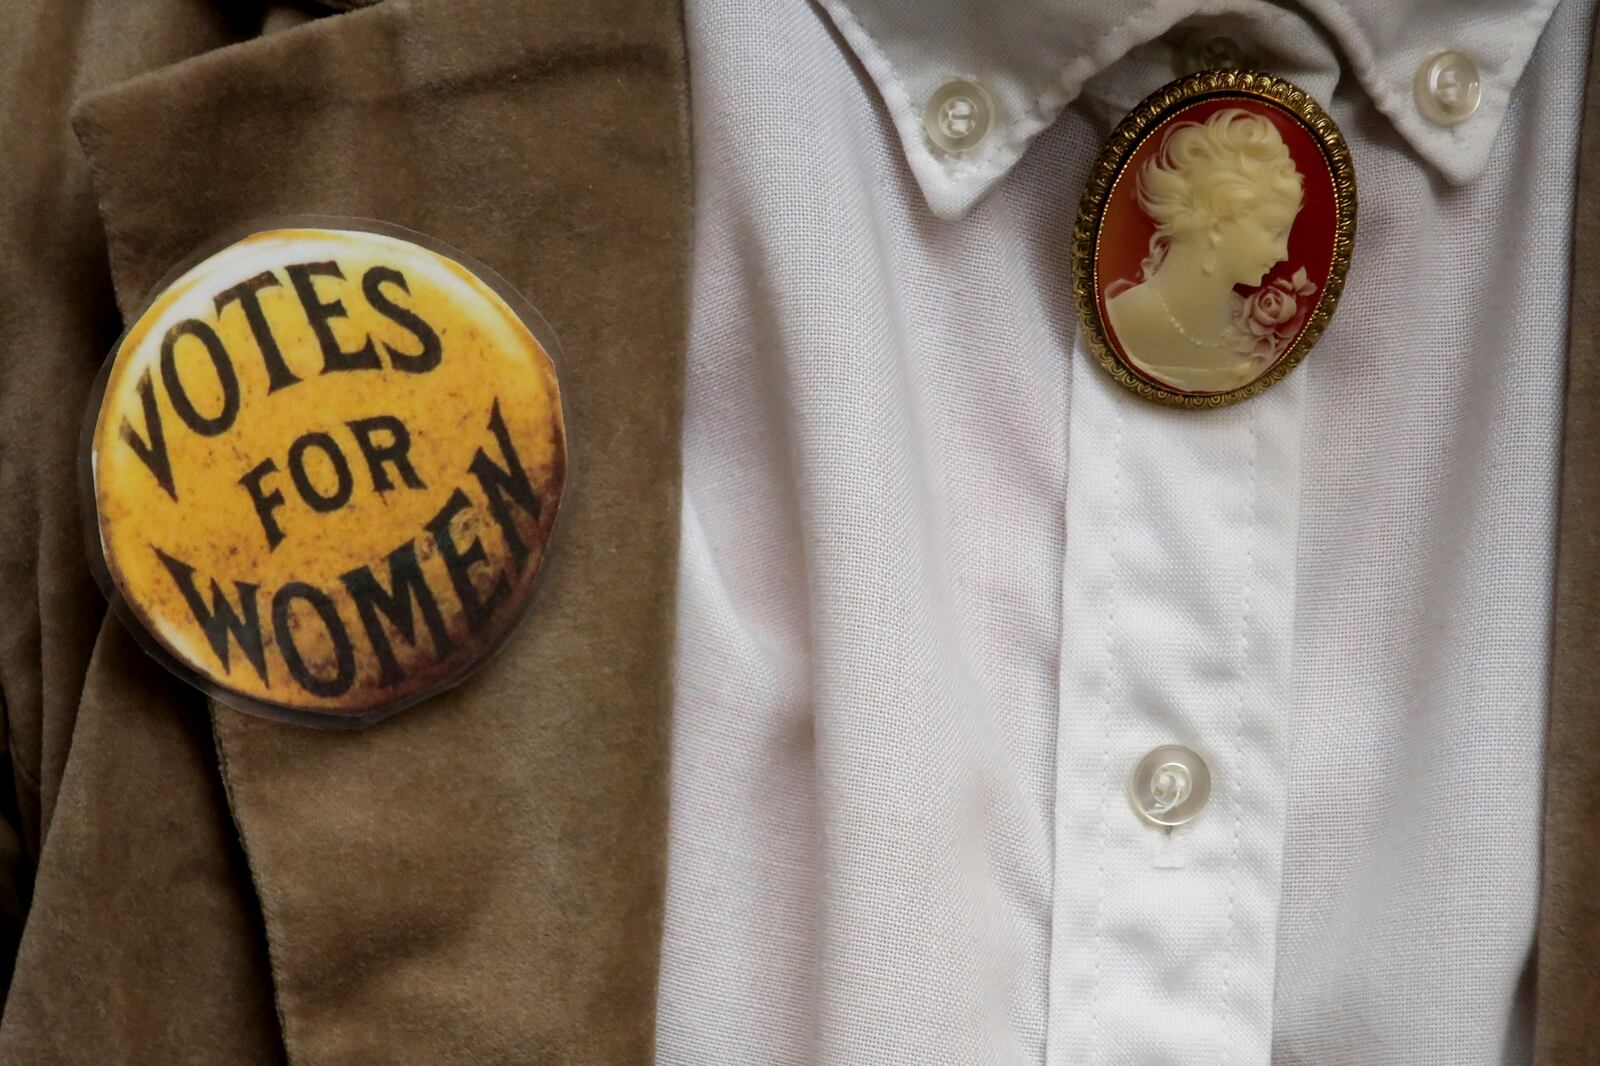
953, 186
1460, 155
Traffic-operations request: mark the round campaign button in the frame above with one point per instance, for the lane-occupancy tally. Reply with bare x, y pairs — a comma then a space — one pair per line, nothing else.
324, 468
1213, 238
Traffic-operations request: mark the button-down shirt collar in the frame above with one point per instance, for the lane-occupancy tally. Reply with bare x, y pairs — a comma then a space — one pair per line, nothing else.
1035, 57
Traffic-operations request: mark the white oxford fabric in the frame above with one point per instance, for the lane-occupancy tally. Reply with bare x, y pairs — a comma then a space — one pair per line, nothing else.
1037, 54
944, 584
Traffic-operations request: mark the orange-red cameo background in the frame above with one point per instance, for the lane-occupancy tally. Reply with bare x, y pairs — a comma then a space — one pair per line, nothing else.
1125, 230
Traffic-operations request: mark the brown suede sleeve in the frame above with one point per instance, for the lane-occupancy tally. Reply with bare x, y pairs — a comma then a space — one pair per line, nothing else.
93, 779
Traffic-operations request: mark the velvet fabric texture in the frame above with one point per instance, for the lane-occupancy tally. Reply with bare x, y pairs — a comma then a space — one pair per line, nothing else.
478, 879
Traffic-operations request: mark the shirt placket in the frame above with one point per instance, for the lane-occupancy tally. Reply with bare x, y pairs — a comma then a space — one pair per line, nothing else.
1178, 610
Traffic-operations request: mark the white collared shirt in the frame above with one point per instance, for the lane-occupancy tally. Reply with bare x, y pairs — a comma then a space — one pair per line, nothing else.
944, 583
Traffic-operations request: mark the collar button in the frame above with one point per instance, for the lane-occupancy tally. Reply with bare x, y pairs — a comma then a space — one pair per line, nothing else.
1202, 50
959, 117
1447, 89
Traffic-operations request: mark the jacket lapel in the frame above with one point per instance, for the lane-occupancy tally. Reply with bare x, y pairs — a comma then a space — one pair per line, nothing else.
477, 879
1568, 982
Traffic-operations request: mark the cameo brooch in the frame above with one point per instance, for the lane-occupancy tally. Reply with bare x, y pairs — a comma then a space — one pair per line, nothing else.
1213, 238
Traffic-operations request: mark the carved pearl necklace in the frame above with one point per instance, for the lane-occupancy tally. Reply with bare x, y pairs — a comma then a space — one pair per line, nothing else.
1221, 345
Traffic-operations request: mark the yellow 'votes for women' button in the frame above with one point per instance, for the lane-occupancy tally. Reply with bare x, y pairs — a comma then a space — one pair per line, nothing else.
1213, 238
324, 469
